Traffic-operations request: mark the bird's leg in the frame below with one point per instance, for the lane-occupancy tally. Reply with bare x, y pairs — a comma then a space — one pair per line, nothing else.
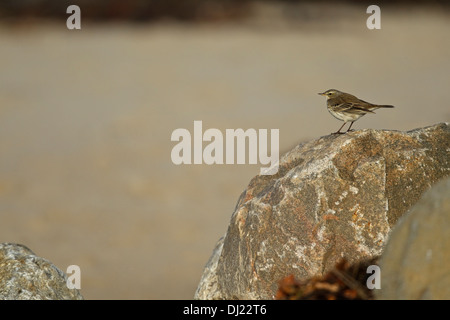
339, 131
350, 127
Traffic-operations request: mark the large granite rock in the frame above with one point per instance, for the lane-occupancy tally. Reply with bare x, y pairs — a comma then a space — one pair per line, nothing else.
334, 197
416, 261
25, 276
207, 289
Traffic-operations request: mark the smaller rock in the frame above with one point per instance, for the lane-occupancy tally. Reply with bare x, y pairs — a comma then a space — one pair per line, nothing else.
416, 261
25, 276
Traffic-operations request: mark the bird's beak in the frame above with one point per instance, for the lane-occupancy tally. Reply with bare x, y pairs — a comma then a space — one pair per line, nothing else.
320, 93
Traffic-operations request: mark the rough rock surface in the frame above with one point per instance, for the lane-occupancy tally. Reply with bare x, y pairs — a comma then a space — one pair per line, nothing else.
25, 276
416, 261
209, 281
334, 197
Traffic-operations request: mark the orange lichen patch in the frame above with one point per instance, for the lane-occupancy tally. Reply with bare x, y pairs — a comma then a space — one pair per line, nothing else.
330, 217
248, 196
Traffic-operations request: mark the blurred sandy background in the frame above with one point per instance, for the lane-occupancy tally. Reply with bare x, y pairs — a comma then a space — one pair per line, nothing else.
86, 118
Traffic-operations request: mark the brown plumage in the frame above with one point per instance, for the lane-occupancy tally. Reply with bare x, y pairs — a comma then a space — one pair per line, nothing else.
347, 107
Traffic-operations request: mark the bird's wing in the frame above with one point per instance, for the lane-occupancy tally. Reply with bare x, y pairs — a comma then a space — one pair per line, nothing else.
364, 108
350, 107
341, 106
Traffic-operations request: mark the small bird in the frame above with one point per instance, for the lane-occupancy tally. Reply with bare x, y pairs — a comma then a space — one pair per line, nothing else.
347, 107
